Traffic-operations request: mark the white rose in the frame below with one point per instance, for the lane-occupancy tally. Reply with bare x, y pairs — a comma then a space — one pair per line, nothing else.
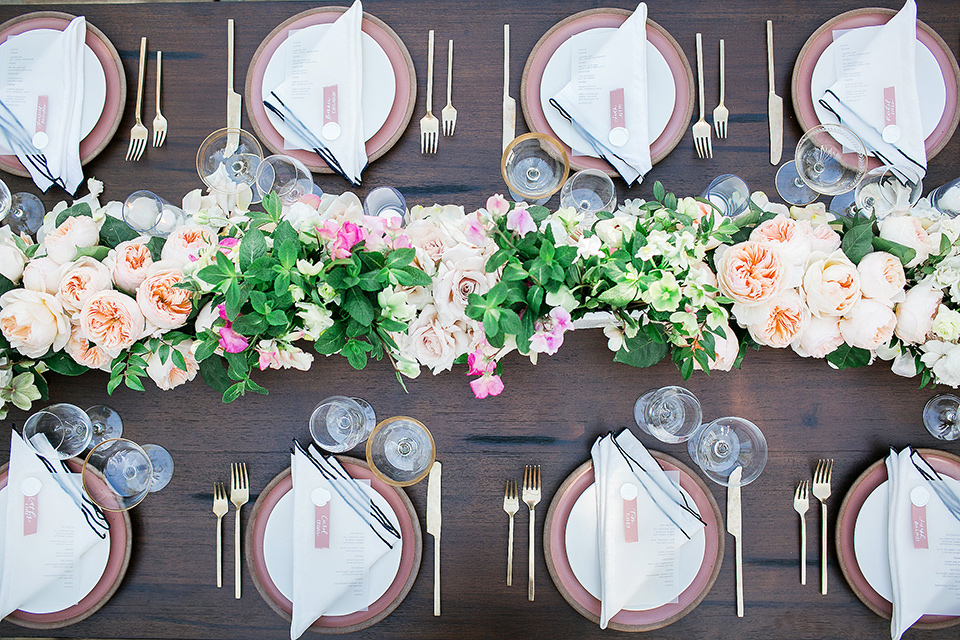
74, 233
868, 325
460, 273
943, 358
947, 274
613, 231
129, 263
33, 322
166, 374
946, 324
832, 285
81, 279
432, 344
822, 237
12, 259
882, 277
908, 231
915, 313
726, 351
821, 337
184, 245
42, 274
429, 242
301, 216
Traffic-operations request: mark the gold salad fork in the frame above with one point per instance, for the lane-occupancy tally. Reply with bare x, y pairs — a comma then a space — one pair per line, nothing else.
239, 495
449, 114
531, 498
821, 489
159, 122
138, 134
801, 502
511, 505
220, 509
721, 113
429, 125
701, 130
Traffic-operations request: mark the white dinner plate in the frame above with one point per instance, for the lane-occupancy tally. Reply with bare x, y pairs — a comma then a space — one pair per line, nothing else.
379, 82
94, 84
661, 90
278, 556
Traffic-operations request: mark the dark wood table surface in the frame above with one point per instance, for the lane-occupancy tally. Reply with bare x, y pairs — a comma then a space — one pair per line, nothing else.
549, 414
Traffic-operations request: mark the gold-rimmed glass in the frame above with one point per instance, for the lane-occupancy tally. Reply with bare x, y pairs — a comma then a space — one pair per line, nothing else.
534, 166
401, 451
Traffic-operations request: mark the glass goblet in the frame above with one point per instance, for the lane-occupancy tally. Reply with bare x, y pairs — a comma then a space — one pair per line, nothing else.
589, 192
124, 471
725, 444
729, 194
228, 159
534, 166
887, 189
830, 159
162, 463
940, 416
340, 423
146, 212
107, 423
669, 414
385, 202
59, 431
24, 214
286, 176
401, 451
946, 198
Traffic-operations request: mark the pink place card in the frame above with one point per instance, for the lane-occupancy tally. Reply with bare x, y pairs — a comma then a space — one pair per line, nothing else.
322, 527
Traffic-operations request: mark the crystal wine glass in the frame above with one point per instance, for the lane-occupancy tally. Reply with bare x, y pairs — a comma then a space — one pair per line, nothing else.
125, 473
946, 198
286, 176
162, 463
589, 192
830, 159
22, 212
59, 431
401, 451
729, 194
725, 444
669, 414
340, 423
940, 416
107, 423
229, 173
887, 189
146, 212
534, 166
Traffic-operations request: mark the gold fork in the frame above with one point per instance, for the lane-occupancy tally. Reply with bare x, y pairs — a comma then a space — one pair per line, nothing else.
138, 134
801, 502
701, 130
511, 505
239, 495
449, 114
721, 113
159, 122
220, 509
429, 125
821, 489
531, 498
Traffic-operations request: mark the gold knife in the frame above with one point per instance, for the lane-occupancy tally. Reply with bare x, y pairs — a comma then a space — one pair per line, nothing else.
774, 105
433, 528
735, 527
509, 104
233, 98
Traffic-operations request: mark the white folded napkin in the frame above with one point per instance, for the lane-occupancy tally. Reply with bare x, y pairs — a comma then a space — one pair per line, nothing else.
37, 552
323, 88
876, 92
922, 534
624, 470
334, 546
606, 98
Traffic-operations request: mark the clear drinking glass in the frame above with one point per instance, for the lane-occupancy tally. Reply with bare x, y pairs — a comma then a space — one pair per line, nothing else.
728, 193
162, 463
124, 471
830, 159
940, 416
946, 198
24, 212
534, 166
228, 159
340, 423
401, 451
107, 423
669, 414
589, 192
725, 444
385, 202
146, 212
59, 431
289, 178
887, 189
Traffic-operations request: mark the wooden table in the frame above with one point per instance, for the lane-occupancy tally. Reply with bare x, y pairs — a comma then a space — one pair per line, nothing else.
548, 414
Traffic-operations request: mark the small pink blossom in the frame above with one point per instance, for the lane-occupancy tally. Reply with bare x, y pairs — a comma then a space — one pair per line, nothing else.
348, 237
328, 231
497, 205
521, 221
480, 364
229, 242
549, 332
231, 341
474, 229
311, 199
401, 242
487, 385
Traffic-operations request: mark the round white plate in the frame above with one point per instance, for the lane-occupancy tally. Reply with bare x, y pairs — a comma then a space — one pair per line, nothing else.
930, 85
661, 90
379, 83
278, 556
55, 598
582, 544
94, 81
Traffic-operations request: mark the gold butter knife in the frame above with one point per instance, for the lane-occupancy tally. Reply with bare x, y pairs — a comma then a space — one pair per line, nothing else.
774, 105
233, 98
433, 528
509, 104
735, 527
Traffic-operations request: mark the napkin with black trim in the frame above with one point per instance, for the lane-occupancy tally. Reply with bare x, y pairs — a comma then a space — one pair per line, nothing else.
606, 99
629, 479
876, 92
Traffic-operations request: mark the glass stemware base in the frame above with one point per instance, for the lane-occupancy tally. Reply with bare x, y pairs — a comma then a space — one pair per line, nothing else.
670, 414
941, 416
725, 444
162, 463
401, 451
107, 423
125, 470
791, 187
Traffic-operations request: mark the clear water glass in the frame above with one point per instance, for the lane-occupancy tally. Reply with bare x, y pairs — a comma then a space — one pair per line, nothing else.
340, 423
729, 194
229, 173
146, 212
162, 463
117, 474
401, 451
286, 176
24, 214
385, 202
534, 166
669, 414
940, 416
887, 189
589, 192
831, 159
946, 198
725, 444
107, 423
59, 431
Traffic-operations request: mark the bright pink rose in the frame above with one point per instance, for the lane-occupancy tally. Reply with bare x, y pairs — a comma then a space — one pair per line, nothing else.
348, 237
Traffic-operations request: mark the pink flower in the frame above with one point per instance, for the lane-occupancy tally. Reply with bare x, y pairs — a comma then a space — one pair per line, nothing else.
311, 199
348, 237
231, 341
549, 332
401, 242
474, 229
329, 230
488, 385
497, 205
480, 364
521, 221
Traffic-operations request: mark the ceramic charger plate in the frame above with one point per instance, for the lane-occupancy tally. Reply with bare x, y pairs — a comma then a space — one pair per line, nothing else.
102, 570
105, 92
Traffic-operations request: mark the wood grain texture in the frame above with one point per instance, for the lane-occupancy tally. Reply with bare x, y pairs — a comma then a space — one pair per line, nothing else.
548, 414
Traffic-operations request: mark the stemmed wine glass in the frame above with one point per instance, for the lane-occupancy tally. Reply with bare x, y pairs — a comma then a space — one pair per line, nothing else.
340, 423
589, 192
940, 416
887, 189
107, 423
117, 474
401, 451
22, 212
534, 166
146, 212
231, 172
286, 176
670, 414
59, 431
161, 463
830, 159
725, 444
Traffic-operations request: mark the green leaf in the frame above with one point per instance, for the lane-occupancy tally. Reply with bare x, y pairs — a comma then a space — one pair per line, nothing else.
237, 366
847, 357
250, 324
858, 241
535, 299
155, 244
410, 276
331, 340
133, 382
113, 231
179, 361
256, 388
513, 271
509, 322
272, 205
277, 318
906, 254
79, 209
212, 275
63, 364
658, 191
113, 384
643, 352
205, 349
670, 201
620, 295
6, 285
236, 296
288, 252
164, 352
497, 260
98, 253
400, 258
252, 246
233, 392
358, 306
356, 353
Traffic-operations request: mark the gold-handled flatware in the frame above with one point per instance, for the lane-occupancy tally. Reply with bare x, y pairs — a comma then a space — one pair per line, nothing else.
511, 504
531, 498
159, 122
801, 502
429, 125
701, 130
448, 115
509, 104
220, 509
234, 100
774, 104
721, 114
434, 523
138, 134
821, 490
239, 496
735, 528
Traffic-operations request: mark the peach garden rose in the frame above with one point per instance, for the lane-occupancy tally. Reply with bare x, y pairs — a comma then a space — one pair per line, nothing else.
831, 285
81, 279
33, 322
750, 272
130, 262
777, 322
112, 320
162, 303
868, 325
73, 233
